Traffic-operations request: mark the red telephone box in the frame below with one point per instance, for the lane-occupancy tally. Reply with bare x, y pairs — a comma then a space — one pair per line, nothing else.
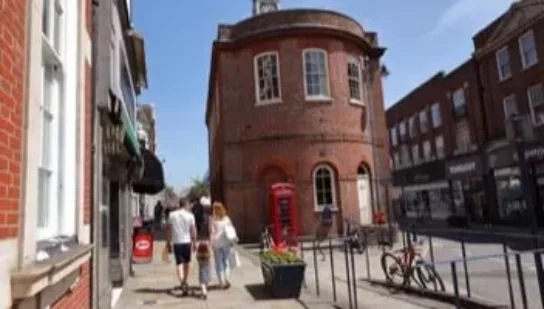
283, 203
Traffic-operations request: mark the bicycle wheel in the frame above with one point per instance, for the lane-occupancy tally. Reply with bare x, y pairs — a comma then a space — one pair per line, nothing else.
392, 269
429, 278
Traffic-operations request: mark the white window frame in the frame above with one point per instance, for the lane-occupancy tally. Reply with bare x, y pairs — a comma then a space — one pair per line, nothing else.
412, 126
504, 101
532, 104
330, 170
394, 136
396, 160
354, 61
503, 76
258, 99
524, 63
416, 157
423, 118
435, 110
427, 150
319, 97
53, 50
440, 151
402, 136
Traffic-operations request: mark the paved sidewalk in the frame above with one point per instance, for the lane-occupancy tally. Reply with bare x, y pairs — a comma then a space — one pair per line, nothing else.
156, 285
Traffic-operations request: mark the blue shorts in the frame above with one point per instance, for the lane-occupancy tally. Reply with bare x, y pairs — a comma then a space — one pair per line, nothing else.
182, 253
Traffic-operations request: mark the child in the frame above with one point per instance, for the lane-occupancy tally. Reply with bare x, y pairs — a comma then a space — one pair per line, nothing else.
203, 258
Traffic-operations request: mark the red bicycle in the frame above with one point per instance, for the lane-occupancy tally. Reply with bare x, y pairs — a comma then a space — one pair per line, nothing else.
403, 266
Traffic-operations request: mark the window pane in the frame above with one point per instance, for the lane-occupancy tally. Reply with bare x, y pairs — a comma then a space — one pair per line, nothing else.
267, 75
316, 73
44, 189
439, 144
510, 107
437, 117
528, 50
45, 18
57, 24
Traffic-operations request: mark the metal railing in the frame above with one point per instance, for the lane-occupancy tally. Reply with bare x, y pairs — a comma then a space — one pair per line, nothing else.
340, 279
494, 237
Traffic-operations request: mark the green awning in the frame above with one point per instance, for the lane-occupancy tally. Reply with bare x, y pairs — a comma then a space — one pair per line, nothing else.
130, 132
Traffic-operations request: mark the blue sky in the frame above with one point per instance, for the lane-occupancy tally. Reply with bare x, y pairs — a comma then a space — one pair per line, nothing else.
422, 37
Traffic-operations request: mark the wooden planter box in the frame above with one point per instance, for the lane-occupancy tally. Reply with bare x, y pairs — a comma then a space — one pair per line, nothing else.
283, 281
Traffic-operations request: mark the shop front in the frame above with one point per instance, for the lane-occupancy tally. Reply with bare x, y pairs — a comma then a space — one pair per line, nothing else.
424, 193
466, 179
534, 156
509, 190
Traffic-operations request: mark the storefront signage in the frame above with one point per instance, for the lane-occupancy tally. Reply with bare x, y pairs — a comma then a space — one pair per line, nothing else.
466, 167
534, 153
425, 173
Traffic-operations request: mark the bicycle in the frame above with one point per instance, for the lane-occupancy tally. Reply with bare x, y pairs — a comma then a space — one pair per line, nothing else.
408, 265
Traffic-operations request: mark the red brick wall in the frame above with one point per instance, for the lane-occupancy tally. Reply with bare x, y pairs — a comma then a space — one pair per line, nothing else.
495, 91
12, 67
79, 298
298, 133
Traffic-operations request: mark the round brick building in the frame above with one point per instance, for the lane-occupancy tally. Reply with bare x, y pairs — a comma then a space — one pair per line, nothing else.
296, 96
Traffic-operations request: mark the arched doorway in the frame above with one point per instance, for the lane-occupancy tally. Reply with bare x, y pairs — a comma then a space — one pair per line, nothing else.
269, 175
364, 195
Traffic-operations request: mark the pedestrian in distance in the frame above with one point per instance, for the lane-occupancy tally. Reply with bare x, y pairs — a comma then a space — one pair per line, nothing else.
181, 239
323, 229
203, 256
222, 238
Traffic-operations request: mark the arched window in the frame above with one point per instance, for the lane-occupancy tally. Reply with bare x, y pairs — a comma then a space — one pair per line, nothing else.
324, 187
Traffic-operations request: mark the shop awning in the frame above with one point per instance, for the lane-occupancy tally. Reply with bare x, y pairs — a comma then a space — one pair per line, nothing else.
131, 138
152, 181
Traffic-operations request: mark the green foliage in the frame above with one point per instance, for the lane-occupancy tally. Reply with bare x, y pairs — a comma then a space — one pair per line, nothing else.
200, 187
280, 258
169, 193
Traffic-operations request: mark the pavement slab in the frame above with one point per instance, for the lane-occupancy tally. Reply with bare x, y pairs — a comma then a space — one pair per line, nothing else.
155, 285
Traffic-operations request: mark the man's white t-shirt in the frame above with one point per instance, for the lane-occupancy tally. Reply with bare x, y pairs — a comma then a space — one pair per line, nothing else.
181, 222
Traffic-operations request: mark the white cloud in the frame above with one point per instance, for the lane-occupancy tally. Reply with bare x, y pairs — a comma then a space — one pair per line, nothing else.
470, 14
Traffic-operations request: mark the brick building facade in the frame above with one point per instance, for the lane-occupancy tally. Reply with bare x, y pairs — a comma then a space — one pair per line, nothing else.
44, 182
306, 107
490, 110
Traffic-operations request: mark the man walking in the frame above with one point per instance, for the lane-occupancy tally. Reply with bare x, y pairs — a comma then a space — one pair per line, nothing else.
181, 233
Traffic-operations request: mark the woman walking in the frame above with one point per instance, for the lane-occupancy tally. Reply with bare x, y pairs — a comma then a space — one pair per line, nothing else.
221, 244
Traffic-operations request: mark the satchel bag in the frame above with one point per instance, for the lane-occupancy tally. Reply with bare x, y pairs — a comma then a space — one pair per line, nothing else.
230, 233
234, 259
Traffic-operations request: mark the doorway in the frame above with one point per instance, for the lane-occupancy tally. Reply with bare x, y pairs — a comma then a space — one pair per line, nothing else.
364, 196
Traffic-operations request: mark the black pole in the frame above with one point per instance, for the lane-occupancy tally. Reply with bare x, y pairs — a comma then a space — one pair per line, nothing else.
346, 244
521, 282
455, 285
367, 258
432, 260
465, 266
316, 272
302, 257
353, 278
333, 276
508, 274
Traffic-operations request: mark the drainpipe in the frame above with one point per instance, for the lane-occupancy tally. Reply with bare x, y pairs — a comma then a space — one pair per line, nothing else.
369, 72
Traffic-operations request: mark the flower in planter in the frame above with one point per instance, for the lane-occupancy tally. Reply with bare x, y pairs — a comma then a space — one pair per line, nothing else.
281, 257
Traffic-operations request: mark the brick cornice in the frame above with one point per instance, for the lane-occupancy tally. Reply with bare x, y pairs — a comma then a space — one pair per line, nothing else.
308, 137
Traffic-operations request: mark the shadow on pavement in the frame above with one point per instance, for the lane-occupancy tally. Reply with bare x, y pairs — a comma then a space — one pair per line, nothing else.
176, 292
258, 292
